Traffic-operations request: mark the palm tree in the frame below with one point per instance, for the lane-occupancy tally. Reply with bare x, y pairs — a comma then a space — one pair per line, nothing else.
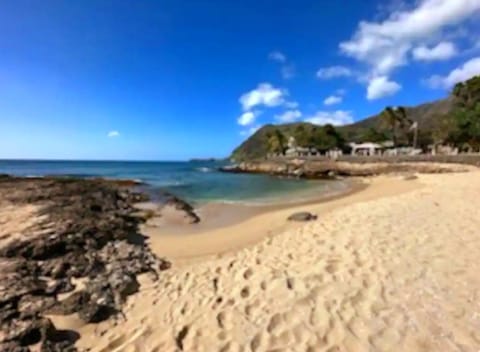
394, 118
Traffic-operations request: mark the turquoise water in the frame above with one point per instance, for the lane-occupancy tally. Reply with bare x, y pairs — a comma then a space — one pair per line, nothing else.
197, 181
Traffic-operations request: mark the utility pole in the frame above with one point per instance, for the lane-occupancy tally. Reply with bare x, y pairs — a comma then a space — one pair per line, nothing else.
414, 127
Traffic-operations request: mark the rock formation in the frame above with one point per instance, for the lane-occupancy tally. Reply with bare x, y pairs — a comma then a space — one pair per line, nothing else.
84, 229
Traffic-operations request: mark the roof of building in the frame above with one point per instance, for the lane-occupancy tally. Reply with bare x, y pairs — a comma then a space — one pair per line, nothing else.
367, 145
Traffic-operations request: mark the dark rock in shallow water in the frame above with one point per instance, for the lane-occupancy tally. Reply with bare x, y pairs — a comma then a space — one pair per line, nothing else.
182, 205
302, 216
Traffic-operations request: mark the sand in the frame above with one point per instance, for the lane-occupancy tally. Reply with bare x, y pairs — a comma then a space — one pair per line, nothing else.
15, 220
391, 268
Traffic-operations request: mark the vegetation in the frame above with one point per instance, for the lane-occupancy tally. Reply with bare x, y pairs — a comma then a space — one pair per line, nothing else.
322, 138
454, 121
466, 133
274, 139
395, 119
326, 138
277, 142
374, 136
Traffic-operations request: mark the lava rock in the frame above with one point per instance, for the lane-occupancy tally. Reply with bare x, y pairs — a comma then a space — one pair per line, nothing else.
87, 229
184, 206
302, 216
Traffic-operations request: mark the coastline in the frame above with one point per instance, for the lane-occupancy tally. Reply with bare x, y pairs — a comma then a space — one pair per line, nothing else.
390, 268
220, 214
374, 271
256, 223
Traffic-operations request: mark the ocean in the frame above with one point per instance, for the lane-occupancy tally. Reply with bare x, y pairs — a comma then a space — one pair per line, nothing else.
195, 181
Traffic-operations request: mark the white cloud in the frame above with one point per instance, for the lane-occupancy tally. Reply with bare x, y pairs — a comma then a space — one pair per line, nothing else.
467, 70
288, 71
247, 118
265, 94
380, 87
113, 134
333, 72
442, 51
332, 100
385, 45
288, 116
291, 104
250, 131
336, 118
277, 56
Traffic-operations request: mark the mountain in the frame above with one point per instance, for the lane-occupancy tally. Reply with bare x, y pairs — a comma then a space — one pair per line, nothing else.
431, 118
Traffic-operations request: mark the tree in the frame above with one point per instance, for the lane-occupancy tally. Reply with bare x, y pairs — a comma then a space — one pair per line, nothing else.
468, 127
467, 113
467, 94
276, 142
301, 135
327, 137
395, 118
374, 136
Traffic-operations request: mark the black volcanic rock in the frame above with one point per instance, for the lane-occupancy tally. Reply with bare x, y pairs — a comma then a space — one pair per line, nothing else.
87, 229
302, 216
184, 206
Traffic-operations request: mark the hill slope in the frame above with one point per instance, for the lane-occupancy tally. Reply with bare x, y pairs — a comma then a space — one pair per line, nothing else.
429, 116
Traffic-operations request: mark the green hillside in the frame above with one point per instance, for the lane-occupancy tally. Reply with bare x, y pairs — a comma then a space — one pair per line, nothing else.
433, 119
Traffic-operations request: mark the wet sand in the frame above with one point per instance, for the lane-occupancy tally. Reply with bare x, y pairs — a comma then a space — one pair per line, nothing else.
217, 215
231, 227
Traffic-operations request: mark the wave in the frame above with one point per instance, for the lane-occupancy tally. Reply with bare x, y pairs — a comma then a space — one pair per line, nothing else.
72, 175
204, 169
170, 184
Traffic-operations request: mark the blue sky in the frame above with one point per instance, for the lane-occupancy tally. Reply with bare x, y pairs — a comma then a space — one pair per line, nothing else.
170, 80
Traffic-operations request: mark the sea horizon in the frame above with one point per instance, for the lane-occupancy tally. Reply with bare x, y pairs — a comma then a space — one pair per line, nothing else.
193, 159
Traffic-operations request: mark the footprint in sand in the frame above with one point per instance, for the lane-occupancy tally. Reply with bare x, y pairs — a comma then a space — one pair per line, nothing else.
245, 292
275, 323
247, 274
221, 320
331, 268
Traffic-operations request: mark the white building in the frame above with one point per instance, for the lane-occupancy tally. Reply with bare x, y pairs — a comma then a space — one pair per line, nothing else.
367, 149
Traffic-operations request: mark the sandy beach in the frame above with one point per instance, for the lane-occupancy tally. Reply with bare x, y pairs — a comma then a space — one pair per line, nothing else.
393, 267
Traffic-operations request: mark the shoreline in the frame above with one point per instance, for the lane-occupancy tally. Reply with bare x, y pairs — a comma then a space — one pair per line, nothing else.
390, 268
393, 244
248, 229
215, 215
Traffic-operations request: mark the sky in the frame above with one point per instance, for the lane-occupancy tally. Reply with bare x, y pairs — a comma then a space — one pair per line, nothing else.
173, 80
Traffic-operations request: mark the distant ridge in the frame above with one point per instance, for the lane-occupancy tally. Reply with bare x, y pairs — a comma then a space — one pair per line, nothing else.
430, 117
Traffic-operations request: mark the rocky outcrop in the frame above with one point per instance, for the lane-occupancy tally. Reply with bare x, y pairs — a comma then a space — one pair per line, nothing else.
302, 216
86, 229
327, 169
181, 205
